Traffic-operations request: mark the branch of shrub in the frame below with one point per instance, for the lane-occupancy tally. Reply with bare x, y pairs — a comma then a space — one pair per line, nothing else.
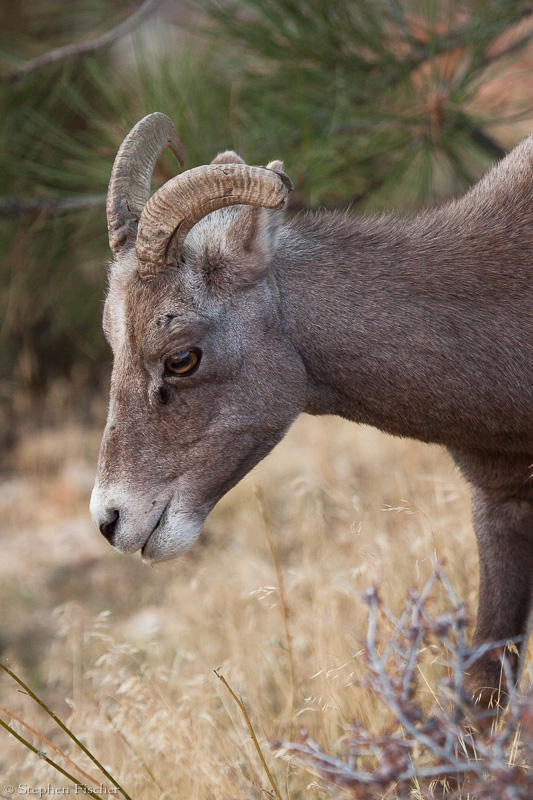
448, 741
81, 49
18, 206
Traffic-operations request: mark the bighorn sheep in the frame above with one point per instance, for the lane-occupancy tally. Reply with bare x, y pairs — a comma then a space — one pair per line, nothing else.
226, 322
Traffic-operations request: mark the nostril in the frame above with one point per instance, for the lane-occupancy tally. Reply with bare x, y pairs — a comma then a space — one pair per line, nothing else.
109, 527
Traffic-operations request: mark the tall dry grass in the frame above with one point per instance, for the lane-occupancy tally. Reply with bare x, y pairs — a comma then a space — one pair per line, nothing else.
127, 653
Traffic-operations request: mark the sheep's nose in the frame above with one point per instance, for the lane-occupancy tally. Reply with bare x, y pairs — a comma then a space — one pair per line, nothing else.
108, 528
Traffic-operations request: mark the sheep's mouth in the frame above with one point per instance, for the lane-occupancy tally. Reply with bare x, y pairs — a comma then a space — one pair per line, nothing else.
159, 524
174, 533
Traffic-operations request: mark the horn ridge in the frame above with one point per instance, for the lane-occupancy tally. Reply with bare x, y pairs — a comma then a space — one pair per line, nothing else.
176, 207
129, 185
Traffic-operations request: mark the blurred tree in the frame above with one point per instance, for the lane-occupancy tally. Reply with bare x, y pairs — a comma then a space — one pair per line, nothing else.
61, 123
371, 102
393, 102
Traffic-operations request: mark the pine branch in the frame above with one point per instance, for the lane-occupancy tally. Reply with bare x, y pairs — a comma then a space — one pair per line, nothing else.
18, 206
456, 38
513, 48
81, 49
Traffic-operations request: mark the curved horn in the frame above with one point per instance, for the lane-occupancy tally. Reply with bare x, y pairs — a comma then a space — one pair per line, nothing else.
184, 200
129, 186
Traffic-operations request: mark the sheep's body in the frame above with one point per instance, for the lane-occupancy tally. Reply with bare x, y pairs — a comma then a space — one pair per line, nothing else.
421, 326
403, 334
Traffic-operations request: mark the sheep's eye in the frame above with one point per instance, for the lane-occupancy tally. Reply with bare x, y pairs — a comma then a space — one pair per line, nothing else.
183, 363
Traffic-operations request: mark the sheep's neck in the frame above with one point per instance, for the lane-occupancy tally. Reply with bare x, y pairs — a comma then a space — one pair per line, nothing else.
414, 326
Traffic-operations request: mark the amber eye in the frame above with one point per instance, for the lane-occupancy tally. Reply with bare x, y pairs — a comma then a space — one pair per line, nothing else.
183, 363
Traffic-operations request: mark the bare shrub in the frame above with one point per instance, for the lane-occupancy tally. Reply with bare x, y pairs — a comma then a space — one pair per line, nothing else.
449, 747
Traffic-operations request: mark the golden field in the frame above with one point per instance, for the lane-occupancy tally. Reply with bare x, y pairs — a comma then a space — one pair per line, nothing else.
127, 653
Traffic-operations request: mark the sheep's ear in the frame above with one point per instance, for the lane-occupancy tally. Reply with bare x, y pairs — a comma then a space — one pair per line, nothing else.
277, 166
228, 157
251, 240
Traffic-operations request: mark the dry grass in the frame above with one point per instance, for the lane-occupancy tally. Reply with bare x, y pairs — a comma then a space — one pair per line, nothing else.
127, 653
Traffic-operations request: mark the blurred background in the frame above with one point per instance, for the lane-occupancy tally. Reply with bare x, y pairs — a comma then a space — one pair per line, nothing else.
375, 105
372, 105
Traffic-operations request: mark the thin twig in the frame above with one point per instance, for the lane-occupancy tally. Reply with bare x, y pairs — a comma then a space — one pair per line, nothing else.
135, 753
378, 668
242, 707
81, 49
66, 730
18, 206
51, 746
281, 584
44, 757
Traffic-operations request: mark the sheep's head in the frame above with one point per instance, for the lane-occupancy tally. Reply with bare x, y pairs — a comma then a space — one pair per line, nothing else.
204, 380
